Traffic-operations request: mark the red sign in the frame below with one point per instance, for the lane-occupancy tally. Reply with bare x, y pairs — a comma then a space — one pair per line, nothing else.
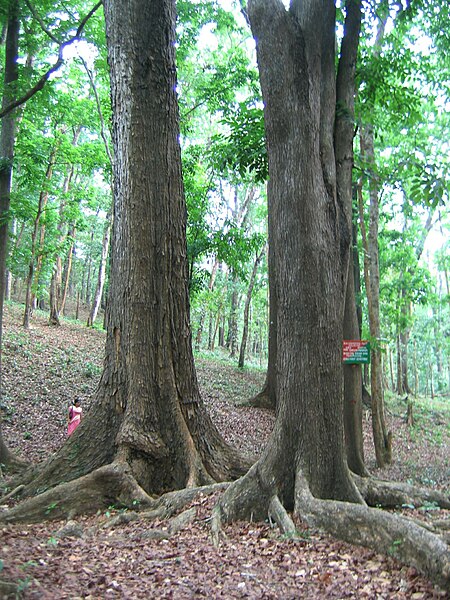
356, 352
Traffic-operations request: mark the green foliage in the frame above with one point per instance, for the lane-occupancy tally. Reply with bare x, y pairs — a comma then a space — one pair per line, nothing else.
51, 507
91, 370
242, 149
403, 90
234, 247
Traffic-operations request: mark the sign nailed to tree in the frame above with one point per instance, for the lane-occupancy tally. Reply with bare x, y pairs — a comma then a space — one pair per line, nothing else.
356, 352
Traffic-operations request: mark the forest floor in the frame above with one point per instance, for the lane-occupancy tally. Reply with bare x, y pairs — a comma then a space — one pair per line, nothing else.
45, 368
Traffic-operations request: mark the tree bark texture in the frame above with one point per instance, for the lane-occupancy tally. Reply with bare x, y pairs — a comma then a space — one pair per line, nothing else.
304, 464
311, 242
148, 412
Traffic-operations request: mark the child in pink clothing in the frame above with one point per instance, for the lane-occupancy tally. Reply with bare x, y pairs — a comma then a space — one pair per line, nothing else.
75, 416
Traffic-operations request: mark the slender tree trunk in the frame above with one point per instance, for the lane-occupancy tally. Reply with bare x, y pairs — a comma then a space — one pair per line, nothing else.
221, 331
404, 342
56, 281
101, 273
344, 134
67, 270
217, 320
437, 327
382, 439
416, 372
212, 279
232, 342
391, 369
33, 273
7, 139
87, 298
398, 386
107, 233
248, 299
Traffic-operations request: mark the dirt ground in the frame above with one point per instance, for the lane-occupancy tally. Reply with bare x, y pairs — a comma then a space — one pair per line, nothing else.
45, 368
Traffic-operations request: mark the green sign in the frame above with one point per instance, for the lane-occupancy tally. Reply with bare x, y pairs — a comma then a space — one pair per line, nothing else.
356, 352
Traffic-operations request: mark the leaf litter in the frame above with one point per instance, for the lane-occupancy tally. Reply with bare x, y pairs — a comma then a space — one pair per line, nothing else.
45, 368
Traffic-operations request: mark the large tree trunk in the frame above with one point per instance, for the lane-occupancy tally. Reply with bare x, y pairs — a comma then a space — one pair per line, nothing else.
304, 463
311, 243
148, 415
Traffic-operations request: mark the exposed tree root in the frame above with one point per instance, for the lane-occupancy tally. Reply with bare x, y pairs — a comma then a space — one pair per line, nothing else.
172, 502
172, 527
384, 532
13, 493
281, 517
393, 494
246, 498
111, 484
408, 541
262, 400
10, 464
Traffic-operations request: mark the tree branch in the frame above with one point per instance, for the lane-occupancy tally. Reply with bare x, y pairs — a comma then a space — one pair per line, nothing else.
99, 110
41, 23
45, 77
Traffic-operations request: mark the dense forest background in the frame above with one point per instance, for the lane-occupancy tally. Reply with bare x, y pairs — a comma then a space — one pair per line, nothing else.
60, 213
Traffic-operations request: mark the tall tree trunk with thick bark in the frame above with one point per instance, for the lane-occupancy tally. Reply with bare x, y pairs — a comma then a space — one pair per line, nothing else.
304, 465
311, 244
148, 426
